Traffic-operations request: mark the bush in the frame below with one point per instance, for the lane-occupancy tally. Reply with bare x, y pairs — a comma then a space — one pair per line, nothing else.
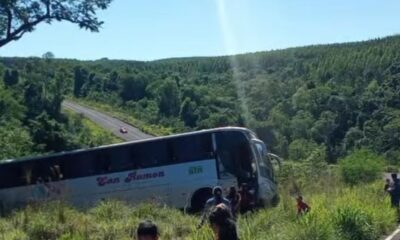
354, 224
361, 166
312, 227
300, 149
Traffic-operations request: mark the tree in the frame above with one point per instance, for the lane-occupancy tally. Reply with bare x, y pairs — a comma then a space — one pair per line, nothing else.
300, 149
10, 108
11, 78
170, 102
188, 113
111, 82
48, 133
48, 55
80, 78
133, 87
18, 17
35, 99
15, 141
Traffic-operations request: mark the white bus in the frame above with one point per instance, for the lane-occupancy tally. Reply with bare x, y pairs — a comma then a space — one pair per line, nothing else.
178, 170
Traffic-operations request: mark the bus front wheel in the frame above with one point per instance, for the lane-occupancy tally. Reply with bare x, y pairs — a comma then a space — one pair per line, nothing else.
199, 199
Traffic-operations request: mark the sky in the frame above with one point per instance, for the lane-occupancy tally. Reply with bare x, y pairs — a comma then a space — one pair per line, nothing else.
157, 29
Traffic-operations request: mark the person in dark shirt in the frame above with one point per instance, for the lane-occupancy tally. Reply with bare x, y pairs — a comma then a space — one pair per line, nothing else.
234, 198
394, 191
246, 199
148, 230
222, 223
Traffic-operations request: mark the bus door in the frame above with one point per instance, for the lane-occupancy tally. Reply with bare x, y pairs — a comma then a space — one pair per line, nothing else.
235, 159
268, 189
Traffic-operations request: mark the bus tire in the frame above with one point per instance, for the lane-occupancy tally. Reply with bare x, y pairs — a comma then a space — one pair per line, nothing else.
199, 199
2, 209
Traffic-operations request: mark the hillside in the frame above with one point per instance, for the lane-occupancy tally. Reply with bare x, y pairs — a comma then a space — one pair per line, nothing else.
345, 216
334, 98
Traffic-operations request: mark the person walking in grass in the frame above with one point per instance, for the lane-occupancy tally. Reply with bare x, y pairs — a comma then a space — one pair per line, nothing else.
302, 207
394, 191
222, 223
148, 230
387, 186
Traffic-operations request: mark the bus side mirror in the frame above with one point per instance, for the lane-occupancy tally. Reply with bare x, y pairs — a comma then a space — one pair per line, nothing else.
276, 158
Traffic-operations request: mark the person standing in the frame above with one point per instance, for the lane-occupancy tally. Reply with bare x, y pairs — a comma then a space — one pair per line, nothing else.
246, 199
388, 186
222, 223
214, 201
234, 198
394, 191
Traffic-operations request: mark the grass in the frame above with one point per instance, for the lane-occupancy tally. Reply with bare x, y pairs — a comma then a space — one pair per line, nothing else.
90, 134
99, 132
123, 114
345, 213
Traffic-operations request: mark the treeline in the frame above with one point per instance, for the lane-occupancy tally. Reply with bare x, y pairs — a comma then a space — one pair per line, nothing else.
31, 120
328, 98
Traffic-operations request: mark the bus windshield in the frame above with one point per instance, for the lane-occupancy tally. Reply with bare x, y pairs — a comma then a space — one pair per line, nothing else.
264, 164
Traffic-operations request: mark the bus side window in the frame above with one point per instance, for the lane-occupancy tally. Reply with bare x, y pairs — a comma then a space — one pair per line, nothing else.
11, 175
192, 148
27, 174
56, 172
103, 163
120, 160
79, 164
150, 154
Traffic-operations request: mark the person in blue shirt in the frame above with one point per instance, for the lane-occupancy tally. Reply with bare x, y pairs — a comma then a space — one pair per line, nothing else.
217, 198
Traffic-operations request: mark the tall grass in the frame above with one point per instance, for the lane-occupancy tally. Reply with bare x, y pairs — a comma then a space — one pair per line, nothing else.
338, 212
348, 213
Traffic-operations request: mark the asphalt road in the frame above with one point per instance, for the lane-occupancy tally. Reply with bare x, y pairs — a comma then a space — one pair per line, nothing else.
110, 123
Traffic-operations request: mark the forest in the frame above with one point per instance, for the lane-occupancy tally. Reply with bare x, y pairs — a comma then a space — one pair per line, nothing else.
328, 98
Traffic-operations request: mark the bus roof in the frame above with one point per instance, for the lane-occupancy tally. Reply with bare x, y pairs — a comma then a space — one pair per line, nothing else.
7, 161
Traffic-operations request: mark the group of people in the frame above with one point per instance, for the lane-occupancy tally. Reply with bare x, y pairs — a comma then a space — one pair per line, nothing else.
221, 213
221, 222
236, 201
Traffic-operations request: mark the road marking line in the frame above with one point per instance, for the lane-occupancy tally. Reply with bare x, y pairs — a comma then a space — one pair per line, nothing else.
393, 235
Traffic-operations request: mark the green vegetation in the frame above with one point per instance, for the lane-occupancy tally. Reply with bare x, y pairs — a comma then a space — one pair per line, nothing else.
31, 121
91, 134
125, 115
314, 106
338, 97
362, 166
337, 212
20, 17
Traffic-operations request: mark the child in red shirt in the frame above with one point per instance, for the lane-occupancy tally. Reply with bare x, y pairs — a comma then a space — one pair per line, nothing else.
302, 207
